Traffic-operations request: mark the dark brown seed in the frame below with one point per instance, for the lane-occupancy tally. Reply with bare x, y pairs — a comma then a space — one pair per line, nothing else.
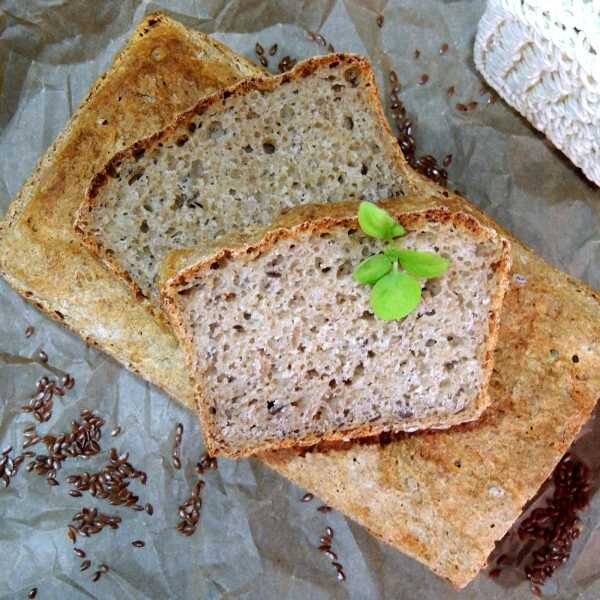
450, 91
324, 547
138, 543
259, 49
85, 565
263, 61
447, 160
32, 593
149, 509
472, 105
273, 50
443, 48
417, 54
495, 573
72, 533
393, 77
329, 531
116, 431
341, 576
75, 493
29, 331
79, 552
307, 497
331, 554
337, 565
424, 79
176, 462
324, 508
96, 576
380, 21
461, 107
104, 568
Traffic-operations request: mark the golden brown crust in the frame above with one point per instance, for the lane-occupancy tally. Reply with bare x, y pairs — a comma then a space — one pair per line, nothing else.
314, 218
261, 83
162, 70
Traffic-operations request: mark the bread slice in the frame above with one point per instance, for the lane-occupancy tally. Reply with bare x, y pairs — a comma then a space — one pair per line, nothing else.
316, 133
286, 351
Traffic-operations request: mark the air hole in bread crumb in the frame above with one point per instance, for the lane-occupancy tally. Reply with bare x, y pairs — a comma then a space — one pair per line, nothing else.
352, 76
311, 373
348, 123
248, 149
364, 169
332, 384
144, 227
575, 358
247, 316
215, 130
430, 342
269, 147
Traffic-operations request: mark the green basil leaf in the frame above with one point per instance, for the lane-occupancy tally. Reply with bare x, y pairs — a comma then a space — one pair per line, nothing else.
377, 223
392, 251
395, 295
422, 264
372, 269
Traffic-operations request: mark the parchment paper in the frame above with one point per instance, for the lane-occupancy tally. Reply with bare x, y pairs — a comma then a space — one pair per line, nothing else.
255, 538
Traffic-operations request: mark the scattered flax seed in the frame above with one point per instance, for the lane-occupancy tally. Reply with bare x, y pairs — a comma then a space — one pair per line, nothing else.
450, 91
380, 21
96, 576
472, 105
85, 565
29, 331
263, 61
330, 48
443, 48
417, 54
307, 497
43, 356
259, 49
149, 509
138, 544
492, 99
273, 50
324, 508
116, 431
461, 107
447, 161
104, 568
79, 552
32, 593
424, 79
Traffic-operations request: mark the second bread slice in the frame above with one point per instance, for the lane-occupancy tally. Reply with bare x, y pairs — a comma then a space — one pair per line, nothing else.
237, 159
286, 351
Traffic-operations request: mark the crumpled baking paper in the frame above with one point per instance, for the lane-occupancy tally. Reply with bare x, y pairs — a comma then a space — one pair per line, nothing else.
255, 538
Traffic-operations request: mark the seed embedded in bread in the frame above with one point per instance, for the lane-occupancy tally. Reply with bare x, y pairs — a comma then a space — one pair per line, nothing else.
316, 134
311, 362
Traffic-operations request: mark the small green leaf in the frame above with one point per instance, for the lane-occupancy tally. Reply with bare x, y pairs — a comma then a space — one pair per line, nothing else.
377, 223
392, 251
395, 295
372, 269
422, 264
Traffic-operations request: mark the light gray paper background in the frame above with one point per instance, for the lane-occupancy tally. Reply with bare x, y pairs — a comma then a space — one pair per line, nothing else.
255, 539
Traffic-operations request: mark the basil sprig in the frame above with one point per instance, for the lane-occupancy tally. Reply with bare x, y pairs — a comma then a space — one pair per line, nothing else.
395, 293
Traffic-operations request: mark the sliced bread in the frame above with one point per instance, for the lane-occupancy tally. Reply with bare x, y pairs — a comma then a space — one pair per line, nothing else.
285, 350
314, 134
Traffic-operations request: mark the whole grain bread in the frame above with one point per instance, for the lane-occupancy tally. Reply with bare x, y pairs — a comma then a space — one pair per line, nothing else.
314, 134
285, 349
443, 497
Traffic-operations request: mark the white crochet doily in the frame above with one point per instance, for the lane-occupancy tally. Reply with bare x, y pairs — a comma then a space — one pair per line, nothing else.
543, 58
